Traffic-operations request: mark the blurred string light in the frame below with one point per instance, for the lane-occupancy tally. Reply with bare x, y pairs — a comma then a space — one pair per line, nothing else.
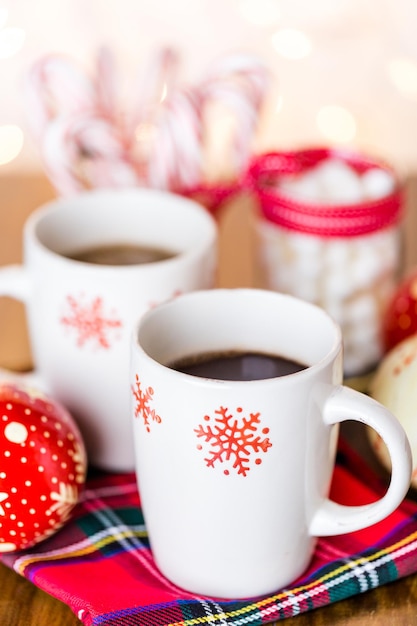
11, 142
3, 16
291, 43
403, 74
260, 12
336, 124
11, 42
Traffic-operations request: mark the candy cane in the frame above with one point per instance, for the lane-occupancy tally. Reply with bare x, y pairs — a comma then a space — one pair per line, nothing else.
55, 86
159, 79
240, 82
78, 149
60, 154
175, 161
106, 161
105, 83
85, 141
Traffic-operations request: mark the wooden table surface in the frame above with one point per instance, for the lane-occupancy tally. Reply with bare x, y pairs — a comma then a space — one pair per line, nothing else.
21, 602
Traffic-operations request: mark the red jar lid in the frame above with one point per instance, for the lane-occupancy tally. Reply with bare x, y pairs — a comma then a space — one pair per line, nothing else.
326, 220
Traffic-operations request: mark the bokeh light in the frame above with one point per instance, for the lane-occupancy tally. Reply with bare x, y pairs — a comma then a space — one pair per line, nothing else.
11, 142
291, 43
11, 41
260, 12
336, 124
403, 74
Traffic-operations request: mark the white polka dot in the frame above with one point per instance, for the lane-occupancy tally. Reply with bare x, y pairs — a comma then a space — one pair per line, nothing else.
28, 411
28, 483
23, 501
41, 468
13, 490
13, 516
15, 432
3, 474
54, 480
4, 418
46, 434
7, 547
20, 524
9, 406
58, 426
55, 457
13, 533
43, 498
7, 453
24, 459
32, 511
33, 428
44, 419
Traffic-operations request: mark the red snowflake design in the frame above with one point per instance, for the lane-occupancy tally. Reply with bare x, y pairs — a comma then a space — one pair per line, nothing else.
143, 397
233, 439
90, 322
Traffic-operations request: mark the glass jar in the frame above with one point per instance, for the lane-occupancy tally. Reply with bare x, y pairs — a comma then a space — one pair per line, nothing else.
328, 230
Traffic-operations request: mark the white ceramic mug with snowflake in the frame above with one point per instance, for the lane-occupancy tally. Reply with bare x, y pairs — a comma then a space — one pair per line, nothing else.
234, 475
81, 314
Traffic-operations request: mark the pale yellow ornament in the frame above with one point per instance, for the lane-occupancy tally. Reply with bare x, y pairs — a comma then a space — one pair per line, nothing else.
395, 386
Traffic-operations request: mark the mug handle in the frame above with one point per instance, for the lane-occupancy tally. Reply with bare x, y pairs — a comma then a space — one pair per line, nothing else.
15, 283
347, 404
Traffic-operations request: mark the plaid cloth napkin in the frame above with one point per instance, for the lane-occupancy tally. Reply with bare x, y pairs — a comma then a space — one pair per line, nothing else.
100, 564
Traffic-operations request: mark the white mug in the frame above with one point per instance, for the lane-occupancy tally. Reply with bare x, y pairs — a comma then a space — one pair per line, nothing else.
80, 315
234, 475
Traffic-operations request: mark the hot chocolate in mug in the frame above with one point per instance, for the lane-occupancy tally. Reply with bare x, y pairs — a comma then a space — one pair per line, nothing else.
92, 264
234, 475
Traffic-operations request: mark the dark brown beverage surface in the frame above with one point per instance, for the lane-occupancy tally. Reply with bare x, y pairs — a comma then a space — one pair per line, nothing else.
120, 254
237, 366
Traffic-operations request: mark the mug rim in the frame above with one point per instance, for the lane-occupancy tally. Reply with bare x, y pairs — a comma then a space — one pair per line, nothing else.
328, 357
122, 195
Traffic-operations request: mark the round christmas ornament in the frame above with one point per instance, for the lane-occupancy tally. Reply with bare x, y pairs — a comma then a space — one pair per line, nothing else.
394, 386
43, 466
400, 319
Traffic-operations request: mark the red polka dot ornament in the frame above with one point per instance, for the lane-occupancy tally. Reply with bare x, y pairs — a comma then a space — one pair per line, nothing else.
400, 319
42, 466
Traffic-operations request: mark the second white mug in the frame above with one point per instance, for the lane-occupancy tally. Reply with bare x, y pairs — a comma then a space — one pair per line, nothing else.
80, 314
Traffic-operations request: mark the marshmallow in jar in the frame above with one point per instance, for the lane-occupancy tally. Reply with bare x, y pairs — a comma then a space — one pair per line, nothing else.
328, 231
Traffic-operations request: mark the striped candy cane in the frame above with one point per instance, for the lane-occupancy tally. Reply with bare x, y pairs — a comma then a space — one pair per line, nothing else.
87, 140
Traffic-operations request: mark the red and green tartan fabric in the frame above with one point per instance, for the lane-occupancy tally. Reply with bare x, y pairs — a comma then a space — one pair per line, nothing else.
100, 564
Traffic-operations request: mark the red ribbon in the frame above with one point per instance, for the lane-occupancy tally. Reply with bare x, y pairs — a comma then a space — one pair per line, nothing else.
325, 220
